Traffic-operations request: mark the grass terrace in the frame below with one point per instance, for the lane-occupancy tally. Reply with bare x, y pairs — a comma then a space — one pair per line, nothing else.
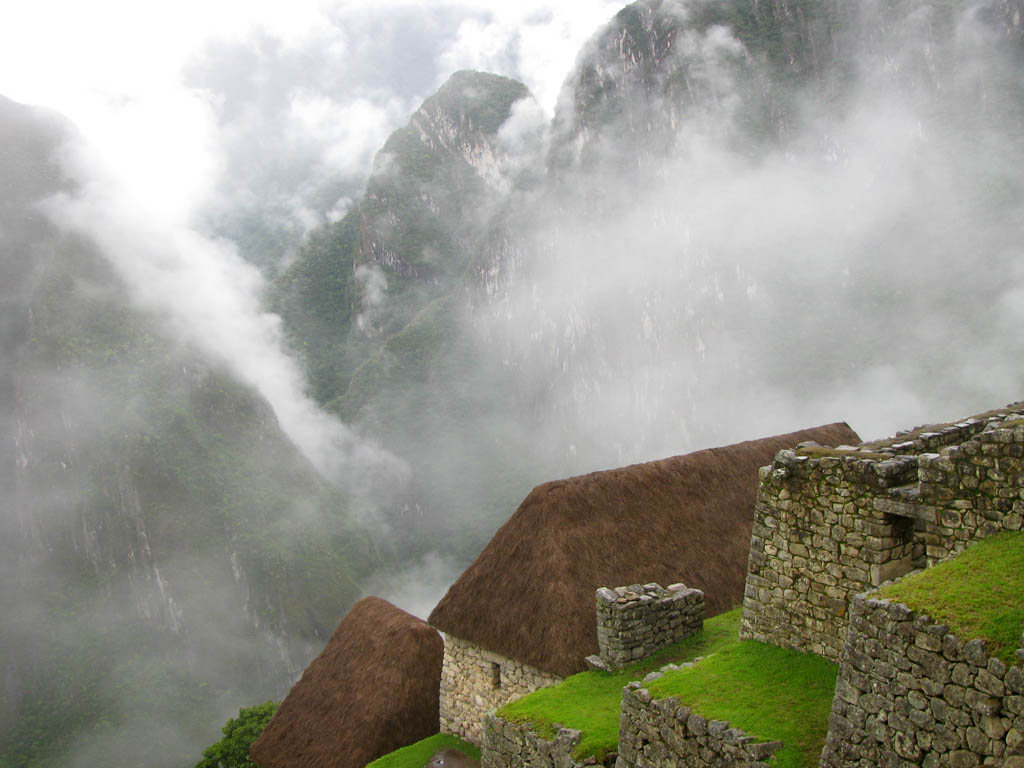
416, 755
772, 693
979, 593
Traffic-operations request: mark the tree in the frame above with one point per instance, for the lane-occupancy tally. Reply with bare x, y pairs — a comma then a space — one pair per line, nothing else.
239, 734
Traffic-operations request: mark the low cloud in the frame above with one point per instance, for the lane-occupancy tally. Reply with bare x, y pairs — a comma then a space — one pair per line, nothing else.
211, 298
862, 268
417, 588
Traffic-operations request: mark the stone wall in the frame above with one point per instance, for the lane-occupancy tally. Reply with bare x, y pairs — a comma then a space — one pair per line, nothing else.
831, 523
662, 733
475, 680
817, 540
636, 621
910, 693
517, 745
975, 488
652, 734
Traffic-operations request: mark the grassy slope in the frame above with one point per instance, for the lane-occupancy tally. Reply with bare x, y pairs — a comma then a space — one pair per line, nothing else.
416, 755
729, 684
590, 701
772, 693
979, 593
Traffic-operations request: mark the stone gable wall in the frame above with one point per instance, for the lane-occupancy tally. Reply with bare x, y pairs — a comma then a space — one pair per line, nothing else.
831, 524
637, 621
818, 538
475, 680
911, 693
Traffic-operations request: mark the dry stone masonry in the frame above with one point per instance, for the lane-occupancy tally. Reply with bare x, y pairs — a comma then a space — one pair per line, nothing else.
667, 734
974, 489
652, 734
475, 680
911, 693
517, 745
833, 522
635, 622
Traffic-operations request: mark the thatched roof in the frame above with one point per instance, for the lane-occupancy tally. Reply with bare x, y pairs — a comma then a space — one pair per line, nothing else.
373, 689
530, 593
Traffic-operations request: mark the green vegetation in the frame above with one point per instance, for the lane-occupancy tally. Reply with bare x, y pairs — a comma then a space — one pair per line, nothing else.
770, 692
416, 755
979, 593
590, 701
239, 734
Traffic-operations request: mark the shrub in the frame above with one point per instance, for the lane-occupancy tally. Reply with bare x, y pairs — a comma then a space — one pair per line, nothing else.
239, 734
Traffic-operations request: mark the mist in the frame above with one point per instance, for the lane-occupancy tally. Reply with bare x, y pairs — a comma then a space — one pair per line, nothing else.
168, 555
861, 267
735, 248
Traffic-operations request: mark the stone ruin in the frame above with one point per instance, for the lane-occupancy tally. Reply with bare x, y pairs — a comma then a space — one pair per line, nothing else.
637, 621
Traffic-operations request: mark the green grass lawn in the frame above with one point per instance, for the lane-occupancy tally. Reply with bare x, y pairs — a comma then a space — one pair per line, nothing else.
416, 755
979, 593
590, 701
772, 693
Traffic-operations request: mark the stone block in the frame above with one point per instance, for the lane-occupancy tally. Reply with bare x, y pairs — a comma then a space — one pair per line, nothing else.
961, 758
1014, 679
981, 703
988, 683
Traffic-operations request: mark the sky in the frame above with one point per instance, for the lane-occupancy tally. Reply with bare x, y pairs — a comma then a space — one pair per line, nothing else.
312, 85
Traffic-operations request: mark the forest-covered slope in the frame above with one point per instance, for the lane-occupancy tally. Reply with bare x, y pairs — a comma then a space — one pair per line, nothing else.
165, 552
733, 202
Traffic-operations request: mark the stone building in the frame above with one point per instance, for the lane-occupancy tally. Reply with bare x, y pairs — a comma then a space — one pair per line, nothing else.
522, 616
831, 525
834, 522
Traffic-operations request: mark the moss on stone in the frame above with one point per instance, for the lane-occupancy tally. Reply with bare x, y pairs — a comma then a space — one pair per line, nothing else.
820, 452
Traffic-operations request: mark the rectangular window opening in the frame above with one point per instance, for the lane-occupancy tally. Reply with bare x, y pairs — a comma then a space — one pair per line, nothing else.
495, 675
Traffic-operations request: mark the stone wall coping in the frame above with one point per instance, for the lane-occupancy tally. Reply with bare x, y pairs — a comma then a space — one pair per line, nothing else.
860, 466
636, 593
970, 429
891, 462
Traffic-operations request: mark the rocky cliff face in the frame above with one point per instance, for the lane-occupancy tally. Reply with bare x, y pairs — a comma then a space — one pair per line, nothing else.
377, 305
659, 64
407, 243
165, 553
734, 191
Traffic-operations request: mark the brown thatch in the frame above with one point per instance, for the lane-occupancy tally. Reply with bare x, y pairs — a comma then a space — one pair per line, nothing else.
373, 689
530, 593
